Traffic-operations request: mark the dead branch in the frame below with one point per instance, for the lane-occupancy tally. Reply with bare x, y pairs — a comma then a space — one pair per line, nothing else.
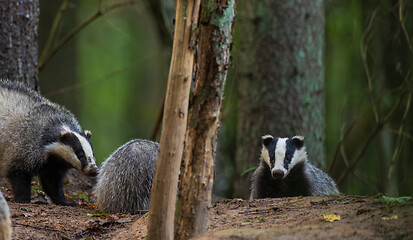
369, 139
99, 13
52, 32
363, 49
398, 141
401, 19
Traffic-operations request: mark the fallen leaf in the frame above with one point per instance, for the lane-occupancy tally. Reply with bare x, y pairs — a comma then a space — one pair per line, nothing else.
331, 218
245, 223
393, 217
83, 196
124, 220
94, 206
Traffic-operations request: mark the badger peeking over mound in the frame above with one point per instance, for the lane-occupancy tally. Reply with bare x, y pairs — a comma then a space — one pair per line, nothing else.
38, 137
284, 171
5, 222
125, 178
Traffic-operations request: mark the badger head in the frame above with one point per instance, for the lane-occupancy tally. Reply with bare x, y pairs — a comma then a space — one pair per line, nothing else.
282, 154
75, 149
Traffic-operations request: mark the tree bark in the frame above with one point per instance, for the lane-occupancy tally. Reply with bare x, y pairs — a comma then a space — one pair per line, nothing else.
18, 47
281, 78
197, 171
165, 184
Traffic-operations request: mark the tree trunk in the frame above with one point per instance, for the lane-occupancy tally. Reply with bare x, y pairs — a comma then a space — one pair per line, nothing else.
197, 172
18, 47
165, 184
281, 78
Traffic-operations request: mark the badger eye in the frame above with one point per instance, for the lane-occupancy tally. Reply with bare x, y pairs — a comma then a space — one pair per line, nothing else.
81, 155
287, 159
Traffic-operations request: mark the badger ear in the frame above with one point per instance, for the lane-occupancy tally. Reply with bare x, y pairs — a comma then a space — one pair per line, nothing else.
88, 134
65, 135
298, 141
266, 140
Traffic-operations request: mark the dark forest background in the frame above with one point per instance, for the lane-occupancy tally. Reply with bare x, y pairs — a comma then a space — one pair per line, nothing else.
112, 75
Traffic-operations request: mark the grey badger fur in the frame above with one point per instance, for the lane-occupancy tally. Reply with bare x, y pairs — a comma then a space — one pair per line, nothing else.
38, 137
284, 171
5, 222
125, 179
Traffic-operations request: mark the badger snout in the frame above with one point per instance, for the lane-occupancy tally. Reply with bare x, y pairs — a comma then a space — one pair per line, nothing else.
92, 172
277, 174
91, 169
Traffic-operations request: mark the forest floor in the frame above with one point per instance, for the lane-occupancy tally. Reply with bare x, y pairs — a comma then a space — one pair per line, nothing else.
327, 217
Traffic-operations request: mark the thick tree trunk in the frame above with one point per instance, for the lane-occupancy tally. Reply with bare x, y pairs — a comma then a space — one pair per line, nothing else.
197, 172
165, 184
281, 78
19, 21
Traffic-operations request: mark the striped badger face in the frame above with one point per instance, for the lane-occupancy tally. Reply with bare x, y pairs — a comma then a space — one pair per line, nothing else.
75, 149
282, 154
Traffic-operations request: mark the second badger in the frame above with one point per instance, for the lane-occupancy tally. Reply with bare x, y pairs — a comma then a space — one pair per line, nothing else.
285, 171
125, 178
38, 137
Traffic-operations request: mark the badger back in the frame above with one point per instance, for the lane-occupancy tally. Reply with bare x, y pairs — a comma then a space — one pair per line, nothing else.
125, 178
34, 130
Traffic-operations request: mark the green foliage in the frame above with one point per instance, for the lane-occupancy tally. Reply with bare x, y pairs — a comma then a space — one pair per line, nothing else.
249, 170
84, 197
391, 201
98, 215
260, 220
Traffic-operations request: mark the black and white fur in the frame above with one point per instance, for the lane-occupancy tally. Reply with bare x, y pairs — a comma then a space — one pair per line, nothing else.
125, 178
38, 137
284, 171
5, 222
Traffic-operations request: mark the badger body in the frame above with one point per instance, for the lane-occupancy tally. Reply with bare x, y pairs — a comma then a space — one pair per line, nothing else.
125, 179
5, 222
38, 137
284, 171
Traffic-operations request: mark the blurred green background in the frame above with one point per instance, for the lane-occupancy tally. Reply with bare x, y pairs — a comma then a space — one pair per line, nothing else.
113, 74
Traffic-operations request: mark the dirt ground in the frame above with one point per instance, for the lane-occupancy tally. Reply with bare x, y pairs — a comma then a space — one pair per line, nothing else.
287, 218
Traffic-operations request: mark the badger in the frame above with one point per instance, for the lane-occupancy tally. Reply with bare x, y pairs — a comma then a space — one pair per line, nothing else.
38, 137
285, 171
124, 180
5, 222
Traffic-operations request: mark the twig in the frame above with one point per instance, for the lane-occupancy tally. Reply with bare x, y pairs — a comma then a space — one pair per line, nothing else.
37, 227
260, 211
53, 29
337, 153
404, 26
404, 133
363, 50
398, 142
340, 143
80, 27
81, 85
343, 151
369, 139
158, 123
366, 179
